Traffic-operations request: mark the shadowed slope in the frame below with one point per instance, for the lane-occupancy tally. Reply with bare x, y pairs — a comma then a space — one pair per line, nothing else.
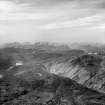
52, 90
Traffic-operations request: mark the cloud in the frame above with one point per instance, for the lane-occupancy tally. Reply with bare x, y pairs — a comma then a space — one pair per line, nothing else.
9, 7
49, 3
29, 9
12, 11
79, 22
100, 26
34, 20
83, 3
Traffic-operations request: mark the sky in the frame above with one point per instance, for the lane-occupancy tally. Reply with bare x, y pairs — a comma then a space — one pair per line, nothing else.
52, 21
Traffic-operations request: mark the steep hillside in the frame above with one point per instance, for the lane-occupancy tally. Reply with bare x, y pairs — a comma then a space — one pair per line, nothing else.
51, 90
88, 70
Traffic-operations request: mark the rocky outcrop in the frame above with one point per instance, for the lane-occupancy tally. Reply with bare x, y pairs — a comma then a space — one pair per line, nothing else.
87, 70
